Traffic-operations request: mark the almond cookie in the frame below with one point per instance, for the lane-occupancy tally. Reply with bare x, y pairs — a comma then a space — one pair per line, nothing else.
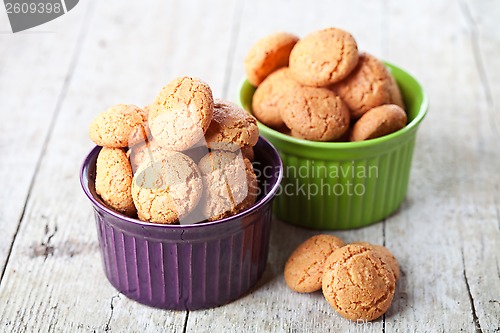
295, 134
166, 190
267, 100
304, 267
113, 180
248, 153
357, 283
378, 122
395, 92
315, 114
369, 85
230, 184
119, 126
386, 255
181, 113
323, 57
267, 55
231, 128
143, 154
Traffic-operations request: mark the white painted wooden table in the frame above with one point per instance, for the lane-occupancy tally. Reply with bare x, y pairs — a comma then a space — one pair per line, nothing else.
55, 78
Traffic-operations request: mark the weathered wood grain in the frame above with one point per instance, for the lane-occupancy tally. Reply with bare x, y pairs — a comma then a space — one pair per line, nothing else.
272, 307
54, 280
34, 67
446, 235
481, 228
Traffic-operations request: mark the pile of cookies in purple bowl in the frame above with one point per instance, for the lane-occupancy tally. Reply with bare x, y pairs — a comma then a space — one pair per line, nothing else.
182, 205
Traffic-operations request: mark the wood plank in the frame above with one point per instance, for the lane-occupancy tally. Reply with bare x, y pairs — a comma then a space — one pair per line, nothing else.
481, 236
272, 307
33, 68
446, 237
54, 280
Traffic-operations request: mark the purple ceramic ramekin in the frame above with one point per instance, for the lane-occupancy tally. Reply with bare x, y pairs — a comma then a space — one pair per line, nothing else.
187, 267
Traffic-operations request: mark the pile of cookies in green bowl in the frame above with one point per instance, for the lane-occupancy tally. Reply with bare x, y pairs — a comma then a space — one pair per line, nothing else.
343, 121
327, 86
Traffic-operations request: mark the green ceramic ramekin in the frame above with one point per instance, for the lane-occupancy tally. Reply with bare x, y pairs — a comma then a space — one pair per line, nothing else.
343, 185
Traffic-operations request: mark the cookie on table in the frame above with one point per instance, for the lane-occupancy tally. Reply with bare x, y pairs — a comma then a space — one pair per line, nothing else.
369, 85
357, 283
267, 100
181, 113
114, 179
267, 55
315, 114
379, 121
304, 268
323, 57
231, 127
386, 255
119, 126
230, 184
166, 190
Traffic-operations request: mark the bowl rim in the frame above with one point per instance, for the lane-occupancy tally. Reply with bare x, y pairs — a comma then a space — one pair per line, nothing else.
423, 109
234, 218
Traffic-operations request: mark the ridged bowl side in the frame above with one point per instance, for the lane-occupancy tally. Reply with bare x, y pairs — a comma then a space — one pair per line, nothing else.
187, 267
185, 275
351, 199
314, 200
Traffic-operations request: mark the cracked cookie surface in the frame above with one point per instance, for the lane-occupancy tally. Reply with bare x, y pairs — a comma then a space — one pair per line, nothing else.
181, 113
386, 255
357, 283
379, 121
304, 268
119, 126
267, 100
167, 189
267, 55
323, 57
230, 184
231, 128
315, 114
114, 179
143, 153
369, 85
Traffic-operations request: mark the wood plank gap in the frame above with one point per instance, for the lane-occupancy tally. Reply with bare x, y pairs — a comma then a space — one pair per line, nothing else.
383, 243
478, 60
184, 329
112, 306
60, 100
477, 324
235, 31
